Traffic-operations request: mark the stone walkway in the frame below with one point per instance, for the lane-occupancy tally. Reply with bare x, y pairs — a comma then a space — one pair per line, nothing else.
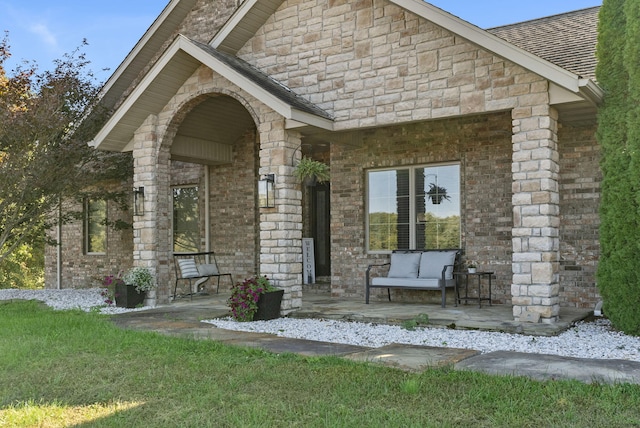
182, 318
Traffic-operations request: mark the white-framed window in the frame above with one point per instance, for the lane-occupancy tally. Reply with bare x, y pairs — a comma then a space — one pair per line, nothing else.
95, 226
413, 207
186, 219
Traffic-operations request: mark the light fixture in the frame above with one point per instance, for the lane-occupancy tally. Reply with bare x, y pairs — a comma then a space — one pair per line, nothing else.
266, 191
138, 201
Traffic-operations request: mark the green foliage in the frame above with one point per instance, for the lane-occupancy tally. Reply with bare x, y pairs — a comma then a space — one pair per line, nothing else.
44, 155
618, 72
439, 232
309, 168
420, 320
24, 268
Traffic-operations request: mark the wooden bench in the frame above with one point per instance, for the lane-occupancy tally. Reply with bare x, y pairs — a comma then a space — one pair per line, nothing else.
416, 270
197, 267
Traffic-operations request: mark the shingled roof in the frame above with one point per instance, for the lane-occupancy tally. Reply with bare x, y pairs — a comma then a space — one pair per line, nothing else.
567, 40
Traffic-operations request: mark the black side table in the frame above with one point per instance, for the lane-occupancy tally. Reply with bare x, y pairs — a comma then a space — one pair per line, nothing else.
478, 275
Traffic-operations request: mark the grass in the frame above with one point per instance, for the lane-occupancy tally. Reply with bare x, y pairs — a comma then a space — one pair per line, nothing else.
64, 368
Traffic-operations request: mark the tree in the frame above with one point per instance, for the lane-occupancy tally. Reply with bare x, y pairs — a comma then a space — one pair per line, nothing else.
618, 72
46, 120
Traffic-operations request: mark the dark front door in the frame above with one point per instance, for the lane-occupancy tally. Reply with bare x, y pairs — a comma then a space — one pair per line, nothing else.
320, 228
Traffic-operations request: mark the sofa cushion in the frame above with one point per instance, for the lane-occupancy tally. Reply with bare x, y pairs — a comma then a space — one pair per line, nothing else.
432, 263
188, 268
404, 265
432, 283
208, 269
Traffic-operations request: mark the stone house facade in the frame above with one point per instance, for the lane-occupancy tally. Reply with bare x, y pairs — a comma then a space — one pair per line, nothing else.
219, 94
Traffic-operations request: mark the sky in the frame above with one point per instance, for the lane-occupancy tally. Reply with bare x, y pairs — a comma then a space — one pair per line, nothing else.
44, 30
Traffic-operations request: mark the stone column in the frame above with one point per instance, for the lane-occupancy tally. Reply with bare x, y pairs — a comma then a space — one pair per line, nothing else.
281, 227
151, 229
536, 213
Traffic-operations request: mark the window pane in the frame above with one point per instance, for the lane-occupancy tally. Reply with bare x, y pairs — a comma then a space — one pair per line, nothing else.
96, 226
186, 229
389, 210
438, 207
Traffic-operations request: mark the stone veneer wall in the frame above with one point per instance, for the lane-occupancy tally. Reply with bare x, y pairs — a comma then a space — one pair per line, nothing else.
482, 145
580, 179
82, 270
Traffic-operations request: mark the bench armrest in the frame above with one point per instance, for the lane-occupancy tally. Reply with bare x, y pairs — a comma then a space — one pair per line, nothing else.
444, 271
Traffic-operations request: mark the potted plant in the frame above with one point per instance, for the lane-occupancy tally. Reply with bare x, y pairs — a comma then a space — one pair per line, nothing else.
140, 278
128, 291
310, 171
437, 194
472, 266
255, 299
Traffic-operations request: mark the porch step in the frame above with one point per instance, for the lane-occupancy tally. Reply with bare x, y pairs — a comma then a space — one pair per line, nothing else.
321, 286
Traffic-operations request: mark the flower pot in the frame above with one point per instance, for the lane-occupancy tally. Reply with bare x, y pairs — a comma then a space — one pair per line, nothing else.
310, 181
472, 270
128, 297
269, 306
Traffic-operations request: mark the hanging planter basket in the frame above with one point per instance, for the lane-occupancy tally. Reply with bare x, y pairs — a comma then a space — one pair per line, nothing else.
437, 194
310, 172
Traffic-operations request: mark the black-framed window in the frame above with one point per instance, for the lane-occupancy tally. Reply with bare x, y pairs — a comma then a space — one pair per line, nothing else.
414, 207
95, 226
186, 219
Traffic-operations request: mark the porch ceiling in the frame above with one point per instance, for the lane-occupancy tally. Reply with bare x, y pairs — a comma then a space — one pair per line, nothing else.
208, 132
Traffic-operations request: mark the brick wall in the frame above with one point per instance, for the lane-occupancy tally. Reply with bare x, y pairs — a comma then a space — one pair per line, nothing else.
81, 270
579, 200
234, 223
482, 145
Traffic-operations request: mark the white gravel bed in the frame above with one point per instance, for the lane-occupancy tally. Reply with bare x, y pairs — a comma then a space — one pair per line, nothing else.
584, 340
85, 300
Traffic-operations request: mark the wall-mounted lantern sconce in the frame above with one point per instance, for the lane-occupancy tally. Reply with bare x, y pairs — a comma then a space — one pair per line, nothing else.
266, 191
138, 201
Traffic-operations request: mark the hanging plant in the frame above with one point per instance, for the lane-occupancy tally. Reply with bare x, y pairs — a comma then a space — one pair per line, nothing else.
310, 171
437, 194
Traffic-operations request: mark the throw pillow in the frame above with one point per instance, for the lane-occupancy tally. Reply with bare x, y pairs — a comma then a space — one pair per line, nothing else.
404, 265
432, 263
188, 268
208, 270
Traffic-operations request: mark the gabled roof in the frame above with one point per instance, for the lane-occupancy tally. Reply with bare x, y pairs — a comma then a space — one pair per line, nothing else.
183, 57
567, 40
170, 72
256, 76
162, 29
556, 74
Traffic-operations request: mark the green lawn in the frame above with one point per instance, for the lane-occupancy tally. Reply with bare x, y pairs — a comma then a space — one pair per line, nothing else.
64, 368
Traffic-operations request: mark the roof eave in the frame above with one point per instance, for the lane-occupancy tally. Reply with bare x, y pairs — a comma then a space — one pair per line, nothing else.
181, 44
160, 30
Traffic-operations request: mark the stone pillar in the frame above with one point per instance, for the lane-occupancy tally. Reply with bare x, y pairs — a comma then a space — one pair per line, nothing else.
281, 227
536, 213
151, 230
